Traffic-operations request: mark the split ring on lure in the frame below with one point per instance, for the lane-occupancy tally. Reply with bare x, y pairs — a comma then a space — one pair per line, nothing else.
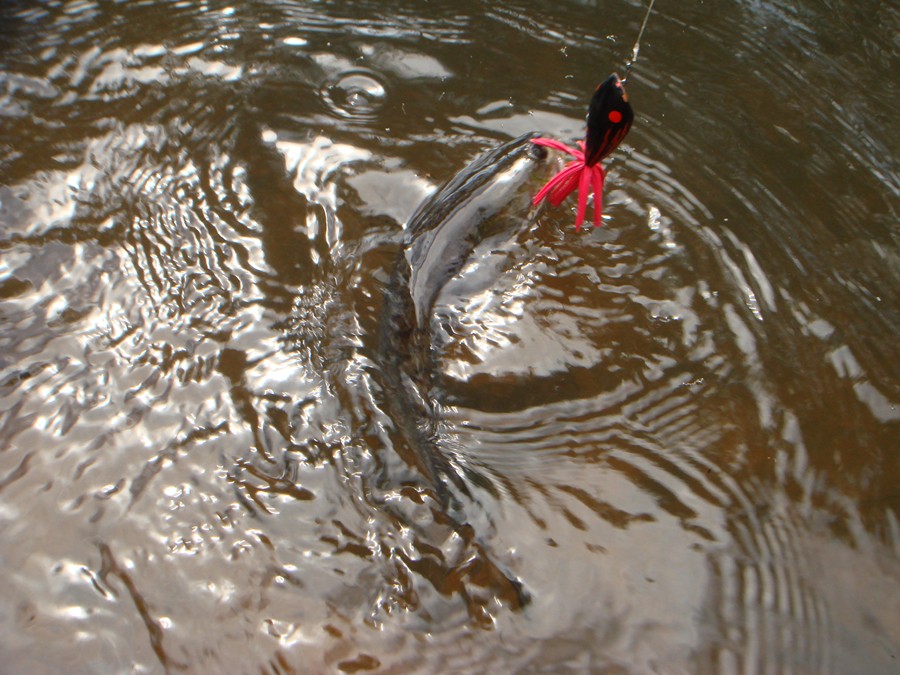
608, 121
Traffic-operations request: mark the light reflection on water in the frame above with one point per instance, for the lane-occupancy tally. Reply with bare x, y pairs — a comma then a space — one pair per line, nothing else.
678, 433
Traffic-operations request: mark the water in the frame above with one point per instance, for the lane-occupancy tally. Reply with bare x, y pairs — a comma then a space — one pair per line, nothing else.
678, 433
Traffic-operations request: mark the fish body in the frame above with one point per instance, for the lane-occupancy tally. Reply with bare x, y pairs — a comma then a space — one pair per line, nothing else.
487, 197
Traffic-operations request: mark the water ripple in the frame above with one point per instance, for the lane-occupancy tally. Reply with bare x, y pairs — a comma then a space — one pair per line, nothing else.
672, 434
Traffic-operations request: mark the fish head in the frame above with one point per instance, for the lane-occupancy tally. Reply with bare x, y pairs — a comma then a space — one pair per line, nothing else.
491, 196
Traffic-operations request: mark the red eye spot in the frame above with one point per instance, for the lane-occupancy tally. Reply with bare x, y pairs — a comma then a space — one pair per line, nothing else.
615, 116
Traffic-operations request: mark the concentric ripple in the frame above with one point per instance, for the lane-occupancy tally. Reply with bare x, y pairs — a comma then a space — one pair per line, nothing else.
355, 94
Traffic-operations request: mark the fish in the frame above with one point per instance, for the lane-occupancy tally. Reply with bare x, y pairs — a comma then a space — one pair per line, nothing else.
609, 119
488, 197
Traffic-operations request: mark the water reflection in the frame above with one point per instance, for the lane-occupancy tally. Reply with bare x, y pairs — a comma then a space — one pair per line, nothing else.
676, 433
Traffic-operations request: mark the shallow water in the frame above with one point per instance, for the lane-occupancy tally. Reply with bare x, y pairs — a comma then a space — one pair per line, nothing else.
678, 434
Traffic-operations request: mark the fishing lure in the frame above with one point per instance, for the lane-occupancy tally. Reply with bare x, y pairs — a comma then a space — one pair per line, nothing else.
608, 121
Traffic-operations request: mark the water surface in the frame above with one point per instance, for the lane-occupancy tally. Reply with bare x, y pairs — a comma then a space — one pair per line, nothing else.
679, 433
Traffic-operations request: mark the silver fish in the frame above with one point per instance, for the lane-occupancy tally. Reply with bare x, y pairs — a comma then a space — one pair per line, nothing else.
487, 197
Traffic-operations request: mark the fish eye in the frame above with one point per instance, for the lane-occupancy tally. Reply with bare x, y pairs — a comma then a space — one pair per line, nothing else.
537, 152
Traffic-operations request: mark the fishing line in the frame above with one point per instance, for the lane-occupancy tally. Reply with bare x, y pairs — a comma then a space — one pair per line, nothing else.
637, 43
608, 120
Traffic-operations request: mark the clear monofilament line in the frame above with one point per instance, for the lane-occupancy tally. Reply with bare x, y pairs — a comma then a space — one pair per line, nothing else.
637, 43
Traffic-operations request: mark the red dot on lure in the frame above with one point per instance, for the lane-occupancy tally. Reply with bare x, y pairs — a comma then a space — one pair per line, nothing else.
615, 116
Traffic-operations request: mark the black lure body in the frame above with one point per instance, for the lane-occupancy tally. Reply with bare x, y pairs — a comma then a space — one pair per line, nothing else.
608, 121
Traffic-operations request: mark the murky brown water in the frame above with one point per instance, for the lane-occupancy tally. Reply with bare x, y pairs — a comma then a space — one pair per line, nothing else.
679, 434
